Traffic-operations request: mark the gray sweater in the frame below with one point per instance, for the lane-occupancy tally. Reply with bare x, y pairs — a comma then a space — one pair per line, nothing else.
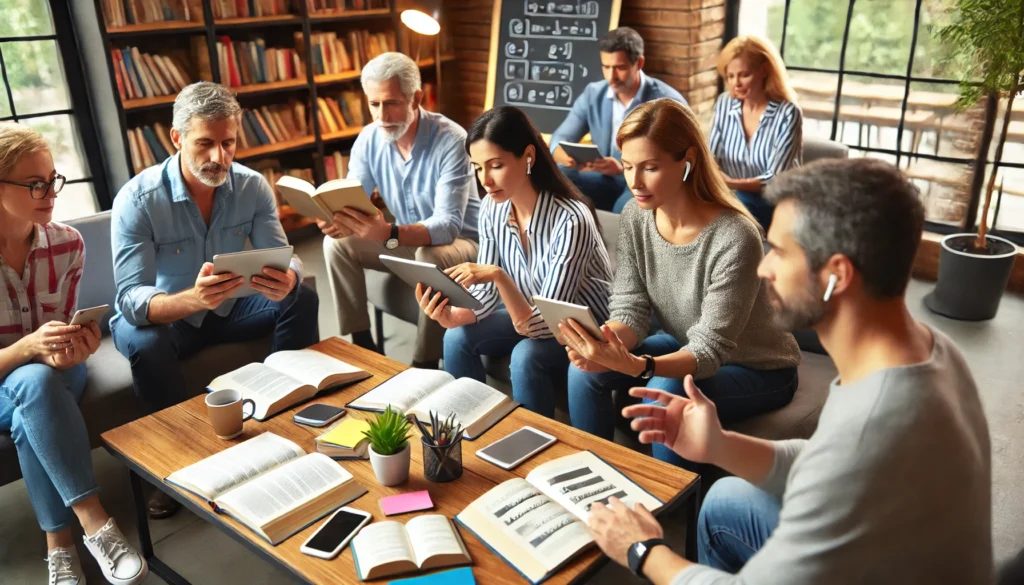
894, 487
705, 293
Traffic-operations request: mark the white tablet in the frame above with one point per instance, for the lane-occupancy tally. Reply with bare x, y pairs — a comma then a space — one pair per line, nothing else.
413, 273
251, 263
555, 312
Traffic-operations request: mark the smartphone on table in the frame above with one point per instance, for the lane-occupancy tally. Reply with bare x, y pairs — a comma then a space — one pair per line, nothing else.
508, 452
335, 533
318, 415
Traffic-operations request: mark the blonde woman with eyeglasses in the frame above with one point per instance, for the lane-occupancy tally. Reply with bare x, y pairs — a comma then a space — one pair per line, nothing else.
42, 364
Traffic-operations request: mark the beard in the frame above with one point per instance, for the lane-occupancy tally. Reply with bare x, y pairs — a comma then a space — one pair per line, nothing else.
210, 174
393, 131
800, 313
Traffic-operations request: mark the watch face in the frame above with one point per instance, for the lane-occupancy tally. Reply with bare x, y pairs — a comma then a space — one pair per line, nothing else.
391, 244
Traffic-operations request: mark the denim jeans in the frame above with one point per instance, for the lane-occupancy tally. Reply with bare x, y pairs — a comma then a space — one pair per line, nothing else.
735, 521
538, 366
39, 406
155, 351
758, 206
737, 391
604, 190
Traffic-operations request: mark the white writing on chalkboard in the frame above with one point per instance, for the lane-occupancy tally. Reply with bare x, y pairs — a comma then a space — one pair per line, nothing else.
540, 94
584, 9
552, 29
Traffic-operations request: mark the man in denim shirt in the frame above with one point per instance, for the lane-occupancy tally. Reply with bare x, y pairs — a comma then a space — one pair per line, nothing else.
417, 161
167, 224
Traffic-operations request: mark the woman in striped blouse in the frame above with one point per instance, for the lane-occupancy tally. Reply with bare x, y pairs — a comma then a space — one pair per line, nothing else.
758, 128
538, 236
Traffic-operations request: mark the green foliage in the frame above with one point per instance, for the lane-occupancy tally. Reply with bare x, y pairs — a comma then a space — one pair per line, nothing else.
987, 47
389, 432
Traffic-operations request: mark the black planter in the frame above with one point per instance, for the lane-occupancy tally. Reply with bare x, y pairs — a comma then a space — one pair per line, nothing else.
970, 286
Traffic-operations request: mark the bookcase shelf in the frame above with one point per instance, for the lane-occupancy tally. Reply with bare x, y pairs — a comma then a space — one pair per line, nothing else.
149, 102
349, 15
273, 87
276, 148
168, 27
257, 21
341, 135
336, 77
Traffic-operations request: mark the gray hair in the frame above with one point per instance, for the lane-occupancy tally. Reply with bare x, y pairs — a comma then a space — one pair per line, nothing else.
389, 66
204, 100
623, 39
864, 209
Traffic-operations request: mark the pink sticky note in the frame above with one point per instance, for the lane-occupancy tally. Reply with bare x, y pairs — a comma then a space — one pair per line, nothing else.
402, 503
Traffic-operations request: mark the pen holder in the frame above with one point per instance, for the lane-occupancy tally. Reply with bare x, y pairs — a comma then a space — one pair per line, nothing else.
442, 464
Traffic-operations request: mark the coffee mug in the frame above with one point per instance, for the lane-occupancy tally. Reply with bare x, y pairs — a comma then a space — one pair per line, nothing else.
225, 408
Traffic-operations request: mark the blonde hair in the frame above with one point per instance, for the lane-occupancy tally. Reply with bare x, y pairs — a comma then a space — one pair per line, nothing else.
757, 51
17, 140
674, 128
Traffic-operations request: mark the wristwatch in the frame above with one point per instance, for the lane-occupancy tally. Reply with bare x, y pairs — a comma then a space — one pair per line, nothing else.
648, 372
637, 554
392, 242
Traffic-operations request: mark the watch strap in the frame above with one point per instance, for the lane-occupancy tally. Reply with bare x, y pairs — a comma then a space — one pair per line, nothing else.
648, 372
394, 231
639, 552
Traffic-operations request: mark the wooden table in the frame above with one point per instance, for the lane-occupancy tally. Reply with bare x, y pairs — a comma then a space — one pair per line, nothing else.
155, 446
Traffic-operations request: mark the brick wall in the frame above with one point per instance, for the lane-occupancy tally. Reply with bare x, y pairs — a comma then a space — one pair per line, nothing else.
681, 37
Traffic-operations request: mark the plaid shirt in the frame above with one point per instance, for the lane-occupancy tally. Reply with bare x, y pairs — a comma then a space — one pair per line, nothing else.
48, 289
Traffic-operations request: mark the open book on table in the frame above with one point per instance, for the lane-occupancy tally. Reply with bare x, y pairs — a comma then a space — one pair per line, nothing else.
324, 201
476, 405
425, 542
270, 484
539, 524
287, 378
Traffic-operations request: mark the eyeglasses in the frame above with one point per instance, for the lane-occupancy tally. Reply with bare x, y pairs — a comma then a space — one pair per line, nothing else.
39, 189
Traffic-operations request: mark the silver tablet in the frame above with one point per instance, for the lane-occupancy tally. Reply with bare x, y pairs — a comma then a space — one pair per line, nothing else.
413, 273
251, 263
555, 312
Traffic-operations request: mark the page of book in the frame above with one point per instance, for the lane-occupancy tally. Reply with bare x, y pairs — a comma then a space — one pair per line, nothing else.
380, 543
403, 390
310, 366
233, 466
432, 535
284, 488
579, 480
260, 382
299, 194
468, 399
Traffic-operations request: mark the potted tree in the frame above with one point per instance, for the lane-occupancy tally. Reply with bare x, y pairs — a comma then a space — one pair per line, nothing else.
986, 40
389, 447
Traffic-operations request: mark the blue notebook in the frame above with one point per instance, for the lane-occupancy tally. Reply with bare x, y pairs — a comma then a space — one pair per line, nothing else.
461, 576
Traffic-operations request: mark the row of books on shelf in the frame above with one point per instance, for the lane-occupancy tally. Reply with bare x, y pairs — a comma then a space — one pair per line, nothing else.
348, 111
140, 75
318, 6
248, 62
333, 55
273, 124
124, 12
149, 145
249, 8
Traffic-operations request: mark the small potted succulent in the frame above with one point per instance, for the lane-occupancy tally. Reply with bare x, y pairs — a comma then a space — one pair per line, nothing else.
389, 447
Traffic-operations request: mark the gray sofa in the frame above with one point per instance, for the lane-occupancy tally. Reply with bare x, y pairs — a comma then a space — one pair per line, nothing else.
109, 400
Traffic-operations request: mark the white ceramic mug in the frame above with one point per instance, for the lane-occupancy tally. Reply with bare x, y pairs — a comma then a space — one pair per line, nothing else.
225, 408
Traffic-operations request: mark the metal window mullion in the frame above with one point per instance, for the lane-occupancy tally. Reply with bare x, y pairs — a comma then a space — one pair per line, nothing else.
38, 115
28, 38
785, 25
7, 85
906, 88
842, 67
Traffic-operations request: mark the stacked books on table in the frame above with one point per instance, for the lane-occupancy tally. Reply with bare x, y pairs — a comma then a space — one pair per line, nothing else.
118, 13
149, 145
345, 440
249, 8
141, 75
273, 124
347, 111
249, 62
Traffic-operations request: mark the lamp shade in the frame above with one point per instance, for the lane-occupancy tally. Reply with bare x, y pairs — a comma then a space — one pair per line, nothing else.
420, 22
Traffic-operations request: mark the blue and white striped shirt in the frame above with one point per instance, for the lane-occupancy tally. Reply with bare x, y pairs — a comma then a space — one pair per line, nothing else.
566, 259
776, 145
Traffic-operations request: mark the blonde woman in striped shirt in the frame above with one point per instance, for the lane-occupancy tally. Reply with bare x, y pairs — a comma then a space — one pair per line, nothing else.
538, 236
42, 364
758, 129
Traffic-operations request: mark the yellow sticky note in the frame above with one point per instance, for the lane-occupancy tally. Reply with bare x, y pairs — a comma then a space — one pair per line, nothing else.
348, 433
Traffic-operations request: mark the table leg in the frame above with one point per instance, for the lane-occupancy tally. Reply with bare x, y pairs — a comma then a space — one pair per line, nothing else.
692, 512
145, 539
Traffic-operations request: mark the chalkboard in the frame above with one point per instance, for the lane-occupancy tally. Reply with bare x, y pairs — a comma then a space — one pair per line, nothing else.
544, 53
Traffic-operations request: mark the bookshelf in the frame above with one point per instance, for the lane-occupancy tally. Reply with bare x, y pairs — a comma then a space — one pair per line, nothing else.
301, 152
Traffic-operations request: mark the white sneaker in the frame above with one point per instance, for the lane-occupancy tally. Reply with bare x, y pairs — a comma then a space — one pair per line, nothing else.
120, 562
64, 567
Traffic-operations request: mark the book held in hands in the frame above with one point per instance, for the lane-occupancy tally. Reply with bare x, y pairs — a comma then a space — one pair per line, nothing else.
287, 378
426, 542
270, 485
419, 392
324, 201
538, 524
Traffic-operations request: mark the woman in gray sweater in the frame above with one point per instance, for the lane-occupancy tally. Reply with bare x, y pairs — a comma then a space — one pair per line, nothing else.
688, 252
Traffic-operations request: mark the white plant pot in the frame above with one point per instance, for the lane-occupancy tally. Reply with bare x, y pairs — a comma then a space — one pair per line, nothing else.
391, 469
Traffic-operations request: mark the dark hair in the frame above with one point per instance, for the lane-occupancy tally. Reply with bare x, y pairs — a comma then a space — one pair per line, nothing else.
623, 39
864, 209
511, 129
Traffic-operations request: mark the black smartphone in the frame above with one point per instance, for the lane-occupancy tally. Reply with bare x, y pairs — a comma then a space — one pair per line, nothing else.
318, 415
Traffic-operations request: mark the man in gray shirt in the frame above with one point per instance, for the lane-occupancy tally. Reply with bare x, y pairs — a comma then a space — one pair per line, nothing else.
894, 487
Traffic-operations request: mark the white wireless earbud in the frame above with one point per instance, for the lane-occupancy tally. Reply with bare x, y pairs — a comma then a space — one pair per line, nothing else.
529, 161
686, 173
831, 286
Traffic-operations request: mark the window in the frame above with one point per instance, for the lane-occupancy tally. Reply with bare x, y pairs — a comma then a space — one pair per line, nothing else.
865, 77
37, 93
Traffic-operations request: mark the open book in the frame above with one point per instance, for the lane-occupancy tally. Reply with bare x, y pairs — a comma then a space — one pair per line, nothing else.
538, 524
425, 542
477, 406
270, 484
287, 378
324, 201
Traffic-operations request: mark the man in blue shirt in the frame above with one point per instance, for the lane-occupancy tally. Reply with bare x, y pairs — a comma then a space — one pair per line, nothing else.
417, 162
167, 224
600, 110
